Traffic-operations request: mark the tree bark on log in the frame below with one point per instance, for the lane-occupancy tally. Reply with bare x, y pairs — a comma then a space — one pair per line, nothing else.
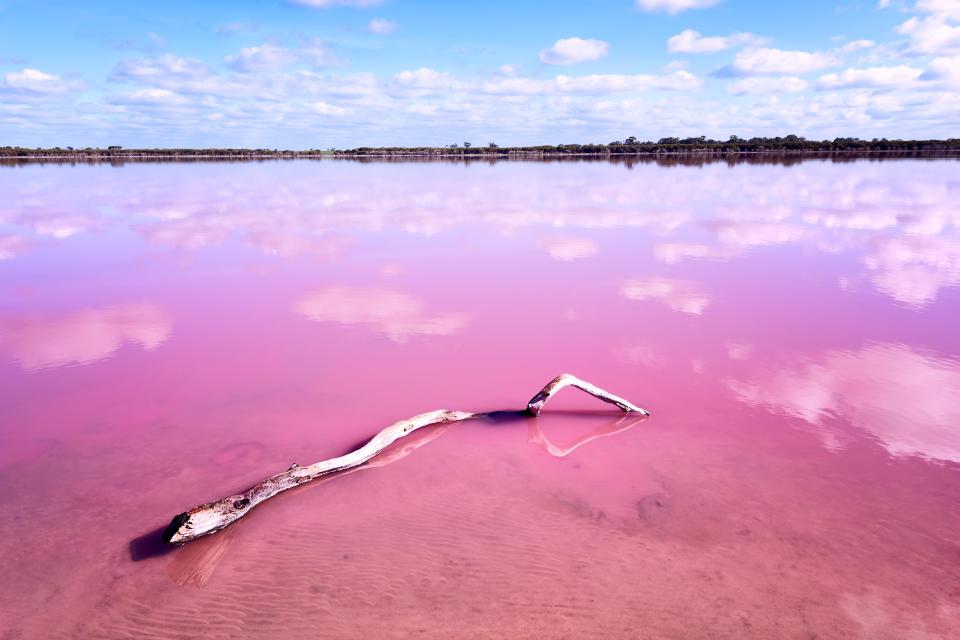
214, 516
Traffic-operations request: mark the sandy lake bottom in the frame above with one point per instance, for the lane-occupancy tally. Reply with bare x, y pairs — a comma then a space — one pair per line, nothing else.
173, 333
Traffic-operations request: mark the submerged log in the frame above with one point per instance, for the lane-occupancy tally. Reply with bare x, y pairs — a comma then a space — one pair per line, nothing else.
214, 516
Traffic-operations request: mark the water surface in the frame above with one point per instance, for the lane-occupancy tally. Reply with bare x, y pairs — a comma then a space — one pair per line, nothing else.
172, 333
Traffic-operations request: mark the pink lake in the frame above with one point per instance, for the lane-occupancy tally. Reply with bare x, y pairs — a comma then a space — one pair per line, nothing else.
173, 333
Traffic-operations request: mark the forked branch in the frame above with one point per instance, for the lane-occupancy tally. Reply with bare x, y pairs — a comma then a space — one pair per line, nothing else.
214, 516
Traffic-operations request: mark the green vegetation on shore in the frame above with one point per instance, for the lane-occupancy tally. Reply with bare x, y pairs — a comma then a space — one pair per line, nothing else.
629, 146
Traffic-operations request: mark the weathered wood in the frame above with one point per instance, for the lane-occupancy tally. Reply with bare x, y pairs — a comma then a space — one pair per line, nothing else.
214, 516
567, 380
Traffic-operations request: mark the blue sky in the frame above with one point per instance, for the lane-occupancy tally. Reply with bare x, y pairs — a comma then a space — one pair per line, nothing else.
344, 73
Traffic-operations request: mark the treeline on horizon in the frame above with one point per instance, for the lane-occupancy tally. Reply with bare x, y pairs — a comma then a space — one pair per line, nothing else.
628, 146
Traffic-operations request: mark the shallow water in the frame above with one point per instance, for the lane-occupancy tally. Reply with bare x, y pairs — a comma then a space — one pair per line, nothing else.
172, 333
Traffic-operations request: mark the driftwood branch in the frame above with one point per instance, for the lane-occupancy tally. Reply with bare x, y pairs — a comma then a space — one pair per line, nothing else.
214, 516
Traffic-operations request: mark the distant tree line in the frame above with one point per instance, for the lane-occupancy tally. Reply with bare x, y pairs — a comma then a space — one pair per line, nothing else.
700, 144
628, 146
116, 151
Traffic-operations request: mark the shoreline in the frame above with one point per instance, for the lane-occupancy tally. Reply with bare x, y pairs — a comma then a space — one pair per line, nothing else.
484, 155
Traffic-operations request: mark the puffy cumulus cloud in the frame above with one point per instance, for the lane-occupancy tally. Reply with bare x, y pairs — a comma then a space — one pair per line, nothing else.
569, 247
674, 6
949, 8
275, 106
426, 81
36, 82
679, 295
429, 81
690, 41
83, 337
946, 70
766, 85
261, 57
159, 68
268, 57
937, 33
596, 84
904, 398
381, 26
857, 45
766, 60
327, 109
325, 4
396, 314
613, 83
151, 97
873, 77
572, 50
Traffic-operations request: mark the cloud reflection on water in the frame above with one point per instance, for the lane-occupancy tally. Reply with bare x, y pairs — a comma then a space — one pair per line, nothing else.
904, 233
84, 336
11, 246
679, 295
906, 399
913, 270
396, 314
566, 248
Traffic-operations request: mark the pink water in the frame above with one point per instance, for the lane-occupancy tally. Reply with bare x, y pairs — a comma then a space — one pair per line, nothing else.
172, 333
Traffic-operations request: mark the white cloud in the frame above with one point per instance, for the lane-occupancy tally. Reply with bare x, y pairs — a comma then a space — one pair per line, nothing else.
424, 79
675, 6
152, 96
327, 109
316, 54
777, 61
268, 57
944, 69
37, 82
324, 4
573, 50
949, 8
766, 85
936, 33
381, 26
610, 83
873, 77
690, 41
596, 84
165, 66
857, 45
262, 57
